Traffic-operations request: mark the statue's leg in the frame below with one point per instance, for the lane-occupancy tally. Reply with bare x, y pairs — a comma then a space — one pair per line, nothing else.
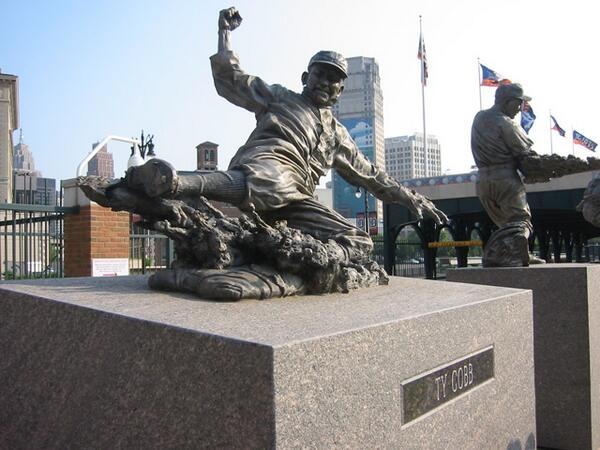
507, 247
155, 178
324, 224
504, 199
158, 178
348, 249
244, 282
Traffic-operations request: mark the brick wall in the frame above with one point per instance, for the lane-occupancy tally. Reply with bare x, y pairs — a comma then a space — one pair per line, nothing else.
96, 232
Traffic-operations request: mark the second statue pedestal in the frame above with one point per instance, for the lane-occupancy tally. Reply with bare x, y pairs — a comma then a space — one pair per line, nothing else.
566, 320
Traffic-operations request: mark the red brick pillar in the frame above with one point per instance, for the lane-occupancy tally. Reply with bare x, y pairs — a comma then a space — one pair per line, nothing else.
96, 236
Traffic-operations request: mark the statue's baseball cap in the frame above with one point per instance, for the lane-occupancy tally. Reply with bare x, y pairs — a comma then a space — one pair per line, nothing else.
512, 90
330, 58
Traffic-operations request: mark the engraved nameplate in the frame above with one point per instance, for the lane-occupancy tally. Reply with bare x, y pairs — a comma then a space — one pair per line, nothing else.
425, 392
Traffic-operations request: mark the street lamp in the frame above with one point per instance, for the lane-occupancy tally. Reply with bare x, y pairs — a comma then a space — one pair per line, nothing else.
358, 194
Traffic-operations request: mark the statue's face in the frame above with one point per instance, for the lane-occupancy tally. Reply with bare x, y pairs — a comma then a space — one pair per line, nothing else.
512, 107
323, 84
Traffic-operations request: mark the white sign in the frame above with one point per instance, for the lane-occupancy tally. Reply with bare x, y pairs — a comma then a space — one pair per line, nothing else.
110, 267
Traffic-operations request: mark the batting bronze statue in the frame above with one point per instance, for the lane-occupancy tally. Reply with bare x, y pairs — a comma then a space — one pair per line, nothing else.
500, 148
287, 243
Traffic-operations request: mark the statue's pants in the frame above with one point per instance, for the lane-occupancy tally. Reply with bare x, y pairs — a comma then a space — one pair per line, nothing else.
502, 194
280, 191
275, 200
324, 224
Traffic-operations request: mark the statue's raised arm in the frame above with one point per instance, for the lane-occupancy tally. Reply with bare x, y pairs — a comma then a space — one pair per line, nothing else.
229, 20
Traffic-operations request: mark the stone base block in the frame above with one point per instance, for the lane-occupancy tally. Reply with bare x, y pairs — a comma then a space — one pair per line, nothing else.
566, 308
107, 363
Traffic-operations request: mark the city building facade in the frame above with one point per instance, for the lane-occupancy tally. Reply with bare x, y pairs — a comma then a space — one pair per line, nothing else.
9, 121
360, 110
324, 195
102, 164
34, 189
45, 193
29, 186
406, 158
207, 156
22, 156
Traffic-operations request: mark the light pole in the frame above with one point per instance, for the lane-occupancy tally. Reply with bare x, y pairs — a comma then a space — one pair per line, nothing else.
359, 192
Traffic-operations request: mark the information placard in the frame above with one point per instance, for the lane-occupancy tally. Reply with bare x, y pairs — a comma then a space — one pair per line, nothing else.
110, 267
427, 391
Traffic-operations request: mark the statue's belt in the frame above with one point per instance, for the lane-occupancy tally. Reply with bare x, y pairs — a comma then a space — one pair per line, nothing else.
495, 168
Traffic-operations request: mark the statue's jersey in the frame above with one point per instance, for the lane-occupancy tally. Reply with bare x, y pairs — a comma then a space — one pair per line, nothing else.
496, 139
294, 143
498, 144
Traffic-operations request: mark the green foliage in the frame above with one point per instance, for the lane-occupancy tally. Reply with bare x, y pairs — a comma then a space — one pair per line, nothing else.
9, 275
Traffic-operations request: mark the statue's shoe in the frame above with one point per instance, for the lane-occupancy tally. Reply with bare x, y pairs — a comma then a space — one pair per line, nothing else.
535, 260
507, 247
258, 282
155, 178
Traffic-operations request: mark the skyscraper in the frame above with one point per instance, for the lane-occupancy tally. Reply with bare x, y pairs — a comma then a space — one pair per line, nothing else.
102, 164
25, 177
406, 159
29, 185
360, 110
9, 121
22, 156
207, 156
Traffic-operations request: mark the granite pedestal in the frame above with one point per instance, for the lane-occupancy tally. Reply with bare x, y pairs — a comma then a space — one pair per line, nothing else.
566, 319
107, 363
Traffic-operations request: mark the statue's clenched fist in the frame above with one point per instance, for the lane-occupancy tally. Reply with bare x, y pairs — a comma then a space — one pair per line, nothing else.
229, 19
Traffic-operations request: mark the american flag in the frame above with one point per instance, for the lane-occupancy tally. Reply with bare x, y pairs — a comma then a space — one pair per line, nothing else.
422, 55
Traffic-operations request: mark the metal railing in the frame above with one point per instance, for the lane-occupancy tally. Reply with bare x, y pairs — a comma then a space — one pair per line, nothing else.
592, 252
409, 258
149, 251
31, 241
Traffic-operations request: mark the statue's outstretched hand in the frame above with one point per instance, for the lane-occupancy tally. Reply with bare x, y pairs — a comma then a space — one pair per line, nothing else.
229, 19
421, 206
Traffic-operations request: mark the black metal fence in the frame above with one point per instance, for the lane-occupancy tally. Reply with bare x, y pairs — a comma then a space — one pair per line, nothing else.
31, 241
409, 258
592, 252
32, 246
149, 251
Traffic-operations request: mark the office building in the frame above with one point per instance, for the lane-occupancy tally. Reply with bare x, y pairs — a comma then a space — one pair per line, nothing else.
9, 121
22, 156
45, 193
102, 164
207, 156
33, 189
325, 195
405, 157
29, 186
360, 110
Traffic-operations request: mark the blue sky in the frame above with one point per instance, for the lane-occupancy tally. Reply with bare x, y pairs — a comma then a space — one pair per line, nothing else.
89, 69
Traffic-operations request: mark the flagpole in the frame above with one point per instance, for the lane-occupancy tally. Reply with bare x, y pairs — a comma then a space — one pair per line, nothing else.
550, 117
479, 82
423, 97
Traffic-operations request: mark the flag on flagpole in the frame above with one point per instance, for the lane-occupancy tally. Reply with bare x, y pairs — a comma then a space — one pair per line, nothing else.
422, 55
491, 78
556, 127
580, 139
527, 116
